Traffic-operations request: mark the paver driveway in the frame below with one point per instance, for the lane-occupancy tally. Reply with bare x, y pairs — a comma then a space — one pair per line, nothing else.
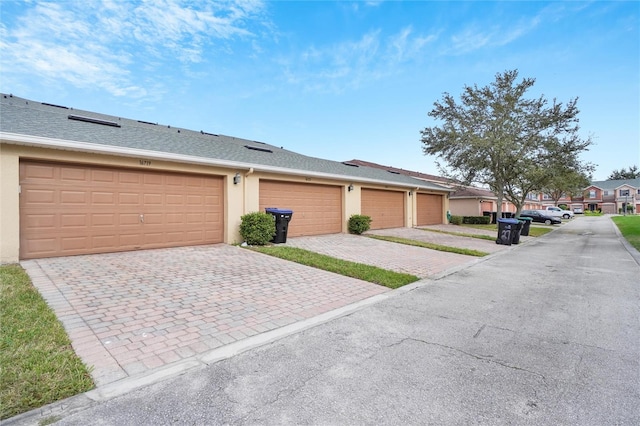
418, 261
128, 313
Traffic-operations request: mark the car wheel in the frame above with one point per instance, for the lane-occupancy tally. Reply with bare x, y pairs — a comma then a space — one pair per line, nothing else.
566, 216
547, 222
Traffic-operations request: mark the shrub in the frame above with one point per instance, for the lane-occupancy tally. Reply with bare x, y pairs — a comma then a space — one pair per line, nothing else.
456, 220
257, 228
476, 220
359, 223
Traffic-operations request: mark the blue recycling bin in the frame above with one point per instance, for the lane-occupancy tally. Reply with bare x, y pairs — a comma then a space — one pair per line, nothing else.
282, 218
506, 230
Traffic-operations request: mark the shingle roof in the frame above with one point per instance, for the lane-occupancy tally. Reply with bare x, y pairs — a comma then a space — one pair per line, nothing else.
31, 118
458, 191
418, 175
613, 184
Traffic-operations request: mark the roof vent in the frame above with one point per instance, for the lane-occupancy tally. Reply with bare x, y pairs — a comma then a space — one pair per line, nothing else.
54, 105
346, 163
394, 172
257, 148
94, 120
147, 122
205, 133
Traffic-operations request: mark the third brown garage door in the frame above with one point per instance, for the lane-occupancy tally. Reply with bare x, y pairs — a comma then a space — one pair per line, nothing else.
429, 209
386, 208
70, 209
317, 209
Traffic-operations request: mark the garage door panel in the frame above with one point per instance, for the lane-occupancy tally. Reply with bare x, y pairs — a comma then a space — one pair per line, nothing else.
38, 172
153, 180
317, 209
74, 244
103, 198
107, 176
129, 199
40, 246
430, 208
97, 210
386, 208
73, 174
73, 197
41, 222
39, 196
76, 220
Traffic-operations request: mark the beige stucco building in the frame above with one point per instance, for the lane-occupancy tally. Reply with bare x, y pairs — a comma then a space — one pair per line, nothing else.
78, 182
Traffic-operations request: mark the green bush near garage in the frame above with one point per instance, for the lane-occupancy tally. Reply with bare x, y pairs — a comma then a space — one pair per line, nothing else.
456, 220
358, 224
257, 228
476, 220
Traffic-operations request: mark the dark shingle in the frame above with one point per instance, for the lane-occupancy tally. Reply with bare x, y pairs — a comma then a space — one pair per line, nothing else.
25, 117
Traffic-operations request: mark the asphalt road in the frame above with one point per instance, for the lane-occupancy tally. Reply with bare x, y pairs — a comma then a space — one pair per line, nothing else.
546, 333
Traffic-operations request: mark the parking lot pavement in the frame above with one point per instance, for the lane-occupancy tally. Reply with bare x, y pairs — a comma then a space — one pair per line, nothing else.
418, 261
130, 313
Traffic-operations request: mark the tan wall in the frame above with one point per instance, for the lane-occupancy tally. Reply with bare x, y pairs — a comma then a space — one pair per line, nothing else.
240, 198
465, 207
9, 205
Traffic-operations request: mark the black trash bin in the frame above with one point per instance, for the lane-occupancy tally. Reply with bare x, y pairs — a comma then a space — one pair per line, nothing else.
506, 228
515, 231
525, 226
282, 218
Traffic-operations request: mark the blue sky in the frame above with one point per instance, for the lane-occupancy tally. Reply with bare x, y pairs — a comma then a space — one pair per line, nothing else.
335, 80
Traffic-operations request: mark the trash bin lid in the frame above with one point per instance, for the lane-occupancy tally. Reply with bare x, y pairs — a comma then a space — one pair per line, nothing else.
511, 221
524, 218
278, 211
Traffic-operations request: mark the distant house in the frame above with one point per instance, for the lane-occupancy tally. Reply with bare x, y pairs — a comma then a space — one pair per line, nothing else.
607, 196
80, 182
611, 196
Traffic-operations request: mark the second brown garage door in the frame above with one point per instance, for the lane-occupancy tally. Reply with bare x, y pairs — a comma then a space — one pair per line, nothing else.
317, 209
429, 209
75, 209
386, 208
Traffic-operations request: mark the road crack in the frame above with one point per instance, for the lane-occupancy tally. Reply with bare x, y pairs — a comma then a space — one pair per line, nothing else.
480, 357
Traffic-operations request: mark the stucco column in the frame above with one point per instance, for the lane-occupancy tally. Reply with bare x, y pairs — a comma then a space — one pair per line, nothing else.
9, 205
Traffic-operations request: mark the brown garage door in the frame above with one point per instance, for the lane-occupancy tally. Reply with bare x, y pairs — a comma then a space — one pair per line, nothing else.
76, 209
386, 208
429, 209
317, 209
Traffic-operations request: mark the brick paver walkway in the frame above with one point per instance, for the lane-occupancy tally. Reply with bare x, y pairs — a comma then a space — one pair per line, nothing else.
448, 239
128, 313
418, 261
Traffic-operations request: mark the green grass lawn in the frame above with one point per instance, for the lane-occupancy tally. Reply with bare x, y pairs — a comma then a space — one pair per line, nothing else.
461, 234
431, 246
629, 226
38, 364
360, 271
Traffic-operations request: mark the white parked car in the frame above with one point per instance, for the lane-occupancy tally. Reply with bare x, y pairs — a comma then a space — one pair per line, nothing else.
558, 212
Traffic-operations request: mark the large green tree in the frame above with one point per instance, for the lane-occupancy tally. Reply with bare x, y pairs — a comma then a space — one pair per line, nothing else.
497, 137
622, 174
569, 182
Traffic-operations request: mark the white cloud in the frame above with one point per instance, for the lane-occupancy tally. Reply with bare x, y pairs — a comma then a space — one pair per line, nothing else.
86, 43
479, 35
353, 63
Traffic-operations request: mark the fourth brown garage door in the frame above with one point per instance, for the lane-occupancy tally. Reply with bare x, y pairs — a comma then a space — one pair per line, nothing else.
68, 209
429, 209
386, 208
317, 209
